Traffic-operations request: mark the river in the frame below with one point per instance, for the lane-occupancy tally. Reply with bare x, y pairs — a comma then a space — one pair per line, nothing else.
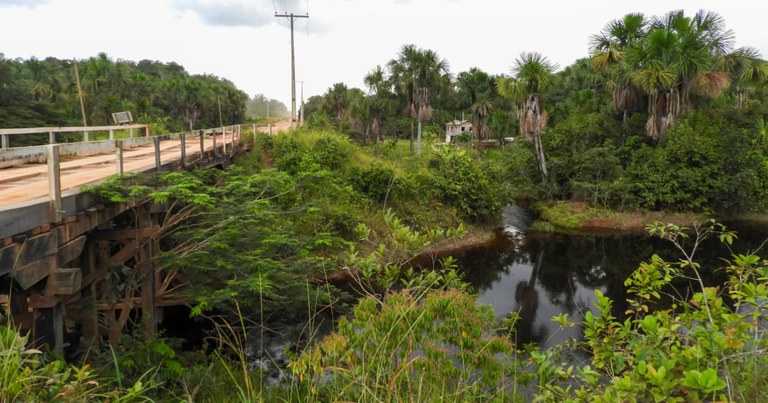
543, 275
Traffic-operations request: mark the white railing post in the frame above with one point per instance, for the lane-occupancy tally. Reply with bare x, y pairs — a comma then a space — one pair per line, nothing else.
54, 183
51, 138
130, 133
119, 157
6, 141
111, 134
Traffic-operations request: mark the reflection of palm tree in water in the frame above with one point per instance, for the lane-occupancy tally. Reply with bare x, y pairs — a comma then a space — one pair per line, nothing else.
527, 299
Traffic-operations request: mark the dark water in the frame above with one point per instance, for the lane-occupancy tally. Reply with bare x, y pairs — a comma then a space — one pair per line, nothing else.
543, 275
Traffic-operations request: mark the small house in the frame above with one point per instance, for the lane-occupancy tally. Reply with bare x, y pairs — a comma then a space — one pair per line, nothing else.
457, 128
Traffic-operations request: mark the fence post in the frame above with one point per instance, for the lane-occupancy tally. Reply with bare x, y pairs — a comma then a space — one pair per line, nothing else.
51, 138
224, 141
54, 183
214, 143
202, 145
183, 149
269, 126
156, 140
6, 141
111, 134
119, 156
86, 137
130, 132
254, 133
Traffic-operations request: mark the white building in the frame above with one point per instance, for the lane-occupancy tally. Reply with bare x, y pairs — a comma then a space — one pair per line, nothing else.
457, 128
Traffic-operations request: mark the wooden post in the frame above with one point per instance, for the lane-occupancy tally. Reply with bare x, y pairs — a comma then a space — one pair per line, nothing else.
148, 281
111, 134
158, 164
146, 130
183, 150
49, 327
6, 141
202, 145
214, 142
51, 138
119, 156
254, 133
86, 137
54, 183
130, 132
88, 296
269, 127
224, 140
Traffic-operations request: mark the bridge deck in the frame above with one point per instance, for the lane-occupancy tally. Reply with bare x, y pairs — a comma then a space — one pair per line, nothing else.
29, 182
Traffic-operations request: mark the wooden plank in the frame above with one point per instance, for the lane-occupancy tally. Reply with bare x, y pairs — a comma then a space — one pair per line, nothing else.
64, 282
70, 251
69, 129
124, 234
31, 274
126, 253
38, 247
8, 258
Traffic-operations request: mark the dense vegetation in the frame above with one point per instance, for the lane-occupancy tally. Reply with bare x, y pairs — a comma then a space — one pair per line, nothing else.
664, 114
44, 93
312, 227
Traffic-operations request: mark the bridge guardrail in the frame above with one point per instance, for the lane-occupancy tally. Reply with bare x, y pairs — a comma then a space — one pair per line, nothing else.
52, 153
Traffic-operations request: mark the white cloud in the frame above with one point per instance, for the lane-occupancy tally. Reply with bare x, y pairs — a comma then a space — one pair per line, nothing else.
22, 3
237, 13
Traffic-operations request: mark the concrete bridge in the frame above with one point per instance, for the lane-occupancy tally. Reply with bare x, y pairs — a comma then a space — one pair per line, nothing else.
73, 265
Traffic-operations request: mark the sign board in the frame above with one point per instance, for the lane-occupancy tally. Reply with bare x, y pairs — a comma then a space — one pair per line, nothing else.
122, 117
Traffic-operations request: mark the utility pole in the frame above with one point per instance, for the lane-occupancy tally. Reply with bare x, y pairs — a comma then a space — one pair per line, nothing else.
80, 95
292, 18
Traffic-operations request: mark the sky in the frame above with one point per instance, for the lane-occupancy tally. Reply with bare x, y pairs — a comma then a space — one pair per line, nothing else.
341, 41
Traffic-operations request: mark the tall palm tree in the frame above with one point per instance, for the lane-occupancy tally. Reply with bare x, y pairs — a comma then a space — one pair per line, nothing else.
480, 111
379, 89
748, 71
608, 49
335, 100
532, 73
416, 73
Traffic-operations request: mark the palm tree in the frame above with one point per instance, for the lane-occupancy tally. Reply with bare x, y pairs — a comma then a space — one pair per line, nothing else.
608, 49
480, 111
532, 73
415, 73
335, 100
748, 70
379, 88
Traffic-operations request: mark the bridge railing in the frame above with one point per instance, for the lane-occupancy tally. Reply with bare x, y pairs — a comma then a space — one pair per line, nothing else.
5, 134
224, 143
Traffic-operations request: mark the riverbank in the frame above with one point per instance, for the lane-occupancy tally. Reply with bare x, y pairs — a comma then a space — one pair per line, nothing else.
570, 216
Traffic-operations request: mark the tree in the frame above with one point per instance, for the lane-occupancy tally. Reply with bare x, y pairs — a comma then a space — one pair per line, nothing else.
417, 72
608, 50
379, 89
532, 73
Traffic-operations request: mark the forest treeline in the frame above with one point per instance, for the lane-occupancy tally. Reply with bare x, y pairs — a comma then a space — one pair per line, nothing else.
664, 113
44, 92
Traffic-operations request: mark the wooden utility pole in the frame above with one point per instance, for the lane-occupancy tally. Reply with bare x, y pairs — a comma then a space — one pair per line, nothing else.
292, 18
82, 103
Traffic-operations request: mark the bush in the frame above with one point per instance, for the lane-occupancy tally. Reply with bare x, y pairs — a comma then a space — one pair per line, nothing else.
461, 183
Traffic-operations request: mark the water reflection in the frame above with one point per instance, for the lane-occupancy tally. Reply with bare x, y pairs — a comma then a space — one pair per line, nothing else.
543, 275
